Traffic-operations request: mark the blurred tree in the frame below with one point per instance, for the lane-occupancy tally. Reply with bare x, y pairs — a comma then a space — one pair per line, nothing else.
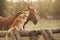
57, 9
2, 7
44, 8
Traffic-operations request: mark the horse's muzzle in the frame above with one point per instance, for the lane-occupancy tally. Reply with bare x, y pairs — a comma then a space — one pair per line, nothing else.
35, 22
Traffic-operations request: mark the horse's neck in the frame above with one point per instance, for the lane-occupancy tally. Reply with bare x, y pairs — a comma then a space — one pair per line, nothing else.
19, 21
11, 19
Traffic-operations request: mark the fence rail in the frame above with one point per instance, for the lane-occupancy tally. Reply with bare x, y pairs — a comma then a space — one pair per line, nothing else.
33, 34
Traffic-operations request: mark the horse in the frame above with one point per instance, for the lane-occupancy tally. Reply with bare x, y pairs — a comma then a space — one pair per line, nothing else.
20, 21
5, 23
31, 17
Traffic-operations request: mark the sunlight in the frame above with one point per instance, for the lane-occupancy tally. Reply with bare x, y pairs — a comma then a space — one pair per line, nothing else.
30, 0
15, 1
53, 1
42, 0
25, 0
8, 0
33, 0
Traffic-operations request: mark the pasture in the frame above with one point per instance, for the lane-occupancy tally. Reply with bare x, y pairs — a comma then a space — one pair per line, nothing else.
44, 9
42, 23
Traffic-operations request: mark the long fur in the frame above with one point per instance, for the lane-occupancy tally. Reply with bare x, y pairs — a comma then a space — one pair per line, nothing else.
18, 23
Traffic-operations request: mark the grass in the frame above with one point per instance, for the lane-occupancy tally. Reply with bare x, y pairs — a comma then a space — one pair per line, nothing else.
43, 23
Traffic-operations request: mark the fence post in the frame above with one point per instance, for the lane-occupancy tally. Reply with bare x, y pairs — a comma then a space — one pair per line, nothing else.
33, 36
12, 35
44, 34
17, 34
50, 34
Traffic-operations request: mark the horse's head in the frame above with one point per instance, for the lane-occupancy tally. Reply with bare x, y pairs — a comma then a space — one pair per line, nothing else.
32, 15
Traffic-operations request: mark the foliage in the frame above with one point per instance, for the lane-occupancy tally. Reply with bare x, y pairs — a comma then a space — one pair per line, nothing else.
45, 9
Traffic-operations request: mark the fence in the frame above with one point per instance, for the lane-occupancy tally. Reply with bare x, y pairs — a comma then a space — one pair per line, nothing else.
32, 34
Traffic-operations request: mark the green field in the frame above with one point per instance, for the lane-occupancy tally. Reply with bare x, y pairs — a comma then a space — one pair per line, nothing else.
43, 23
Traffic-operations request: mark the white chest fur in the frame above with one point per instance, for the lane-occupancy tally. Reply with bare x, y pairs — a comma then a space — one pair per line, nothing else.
23, 19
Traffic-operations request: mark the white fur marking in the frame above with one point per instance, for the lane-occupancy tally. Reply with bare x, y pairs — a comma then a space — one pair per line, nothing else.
20, 26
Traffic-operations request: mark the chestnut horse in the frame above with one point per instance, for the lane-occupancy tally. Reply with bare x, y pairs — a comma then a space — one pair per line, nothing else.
21, 20
18, 23
5, 23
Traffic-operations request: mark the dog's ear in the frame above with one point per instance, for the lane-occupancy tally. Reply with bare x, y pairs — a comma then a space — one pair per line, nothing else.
28, 7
